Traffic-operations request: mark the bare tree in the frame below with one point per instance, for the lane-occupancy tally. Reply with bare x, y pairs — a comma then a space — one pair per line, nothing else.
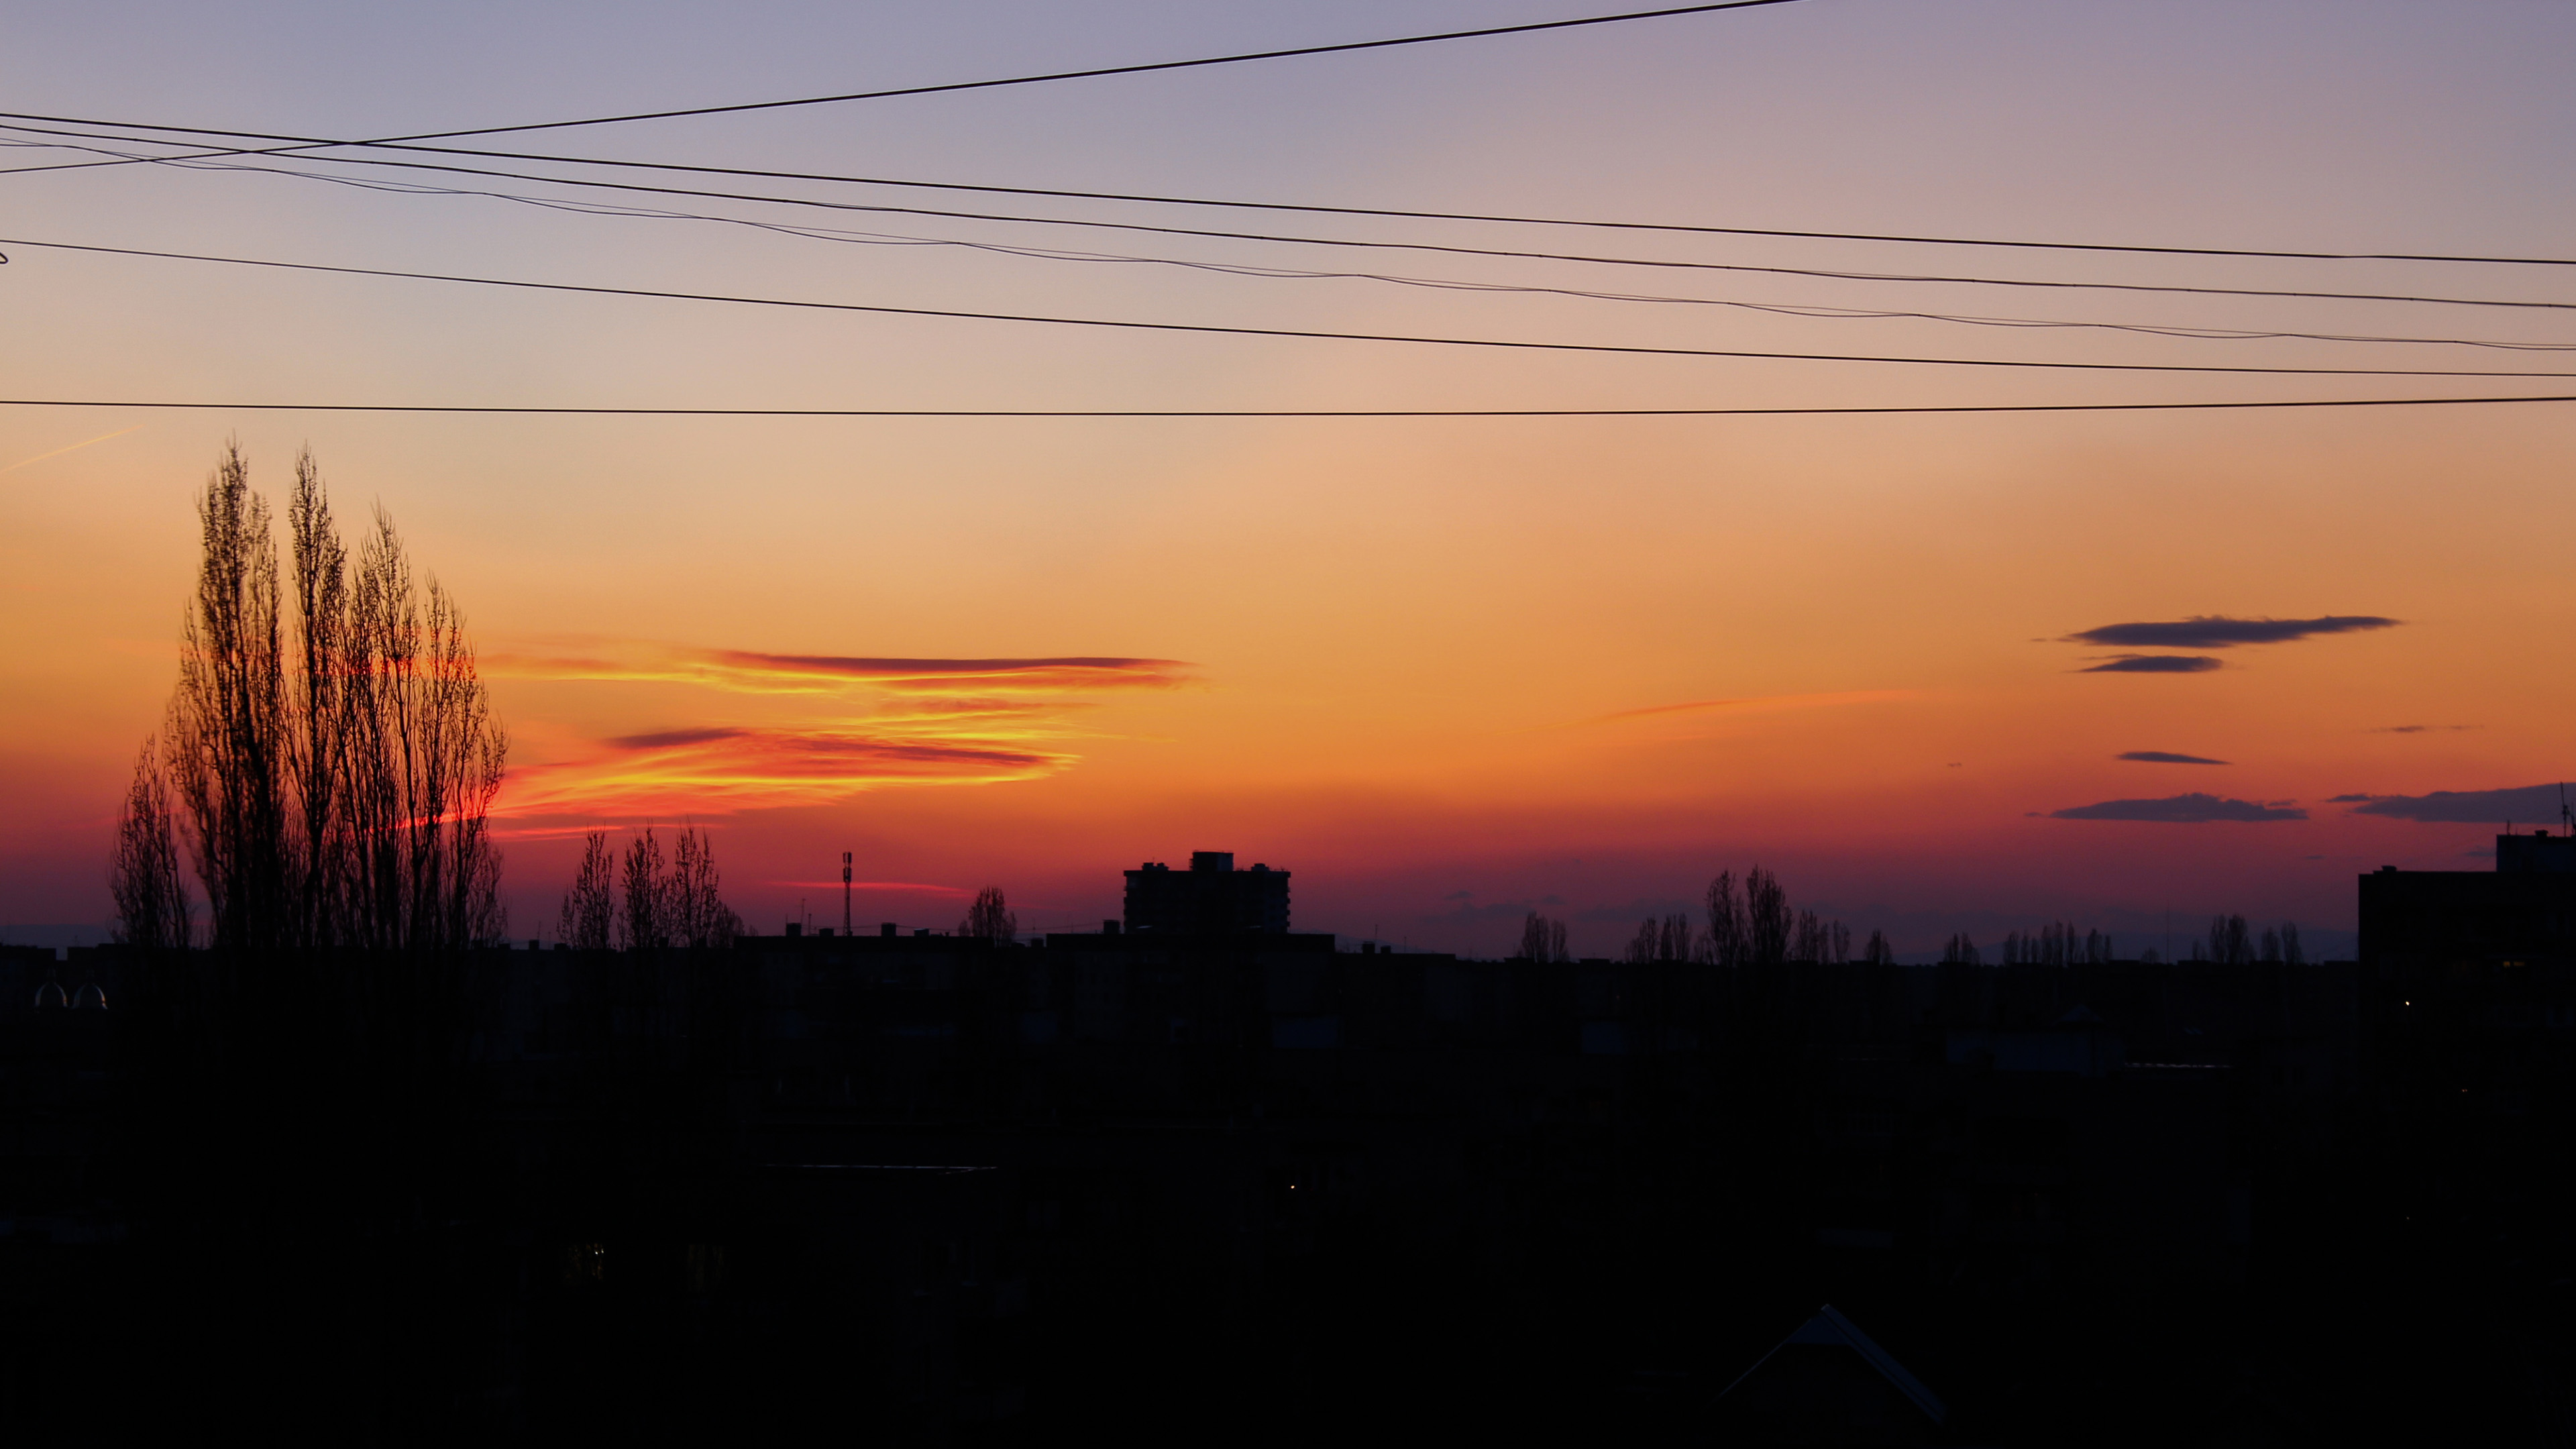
151, 902
229, 722
1959, 951
1726, 930
1767, 920
340, 796
645, 923
426, 761
2229, 941
1809, 940
318, 757
1542, 939
1643, 945
698, 915
590, 908
1878, 952
2290, 951
990, 919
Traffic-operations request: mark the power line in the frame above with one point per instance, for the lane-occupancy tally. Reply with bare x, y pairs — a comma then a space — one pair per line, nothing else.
669, 412
210, 159
304, 143
1023, 80
1101, 71
1286, 332
834, 234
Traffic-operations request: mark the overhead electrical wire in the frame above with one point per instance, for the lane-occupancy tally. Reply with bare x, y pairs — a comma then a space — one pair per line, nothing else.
1816, 311
209, 160
302, 144
677, 412
1212, 329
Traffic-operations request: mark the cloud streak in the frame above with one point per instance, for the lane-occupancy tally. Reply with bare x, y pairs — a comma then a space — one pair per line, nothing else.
2466, 807
2155, 664
739, 768
2167, 757
902, 722
2218, 631
2192, 809
753, 672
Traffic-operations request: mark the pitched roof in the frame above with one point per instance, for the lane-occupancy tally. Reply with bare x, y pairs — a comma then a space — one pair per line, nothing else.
1828, 1328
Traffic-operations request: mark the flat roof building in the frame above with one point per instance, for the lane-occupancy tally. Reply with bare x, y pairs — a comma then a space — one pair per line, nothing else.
1211, 898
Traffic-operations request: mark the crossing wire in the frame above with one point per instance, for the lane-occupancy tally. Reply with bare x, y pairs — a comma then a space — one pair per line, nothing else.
1211, 329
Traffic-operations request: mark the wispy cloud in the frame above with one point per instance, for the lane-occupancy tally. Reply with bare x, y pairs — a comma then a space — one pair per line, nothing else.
2467, 807
754, 672
2192, 809
897, 722
736, 768
2154, 664
2168, 757
2218, 631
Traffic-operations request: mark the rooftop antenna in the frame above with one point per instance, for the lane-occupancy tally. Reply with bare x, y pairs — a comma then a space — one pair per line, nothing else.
845, 893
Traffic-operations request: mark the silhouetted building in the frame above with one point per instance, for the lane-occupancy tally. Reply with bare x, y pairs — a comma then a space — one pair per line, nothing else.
2457, 923
1211, 898
1829, 1384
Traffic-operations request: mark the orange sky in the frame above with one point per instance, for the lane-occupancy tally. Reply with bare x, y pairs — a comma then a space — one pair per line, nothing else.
1444, 670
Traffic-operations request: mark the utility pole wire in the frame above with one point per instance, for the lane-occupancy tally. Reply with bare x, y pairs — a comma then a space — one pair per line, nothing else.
1065, 75
302, 144
207, 161
1213, 329
1784, 412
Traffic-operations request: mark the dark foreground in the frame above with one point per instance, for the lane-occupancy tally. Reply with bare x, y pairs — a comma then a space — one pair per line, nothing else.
916, 1189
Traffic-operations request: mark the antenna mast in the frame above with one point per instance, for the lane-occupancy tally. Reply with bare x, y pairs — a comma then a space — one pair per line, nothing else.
845, 893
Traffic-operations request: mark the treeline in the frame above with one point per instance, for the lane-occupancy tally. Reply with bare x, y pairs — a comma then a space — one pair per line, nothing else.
643, 903
1753, 924
329, 757
1748, 925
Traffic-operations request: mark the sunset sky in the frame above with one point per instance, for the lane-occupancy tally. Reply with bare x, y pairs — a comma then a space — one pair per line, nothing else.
1446, 670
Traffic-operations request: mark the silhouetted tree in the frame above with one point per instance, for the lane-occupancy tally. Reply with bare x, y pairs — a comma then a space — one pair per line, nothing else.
1878, 952
344, 801
151, 902
1542, 939
1767, 920
1809, 940
1959, 951
590, 907
1662, 938
990, 919
1726, 938
693, 905
2290, 951
2229, 942
228, 722
644, 920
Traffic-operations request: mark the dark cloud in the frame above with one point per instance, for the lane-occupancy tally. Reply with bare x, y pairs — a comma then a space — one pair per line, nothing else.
2167, 757
2155, 664
2417, 729
2353, 799
2191, 809
2217, 631
669, 739
2469, 807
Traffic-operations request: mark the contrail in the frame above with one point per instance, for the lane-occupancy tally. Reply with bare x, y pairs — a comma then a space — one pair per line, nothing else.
73, 448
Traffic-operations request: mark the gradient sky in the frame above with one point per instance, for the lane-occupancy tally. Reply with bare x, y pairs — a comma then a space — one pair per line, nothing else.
1444, 670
